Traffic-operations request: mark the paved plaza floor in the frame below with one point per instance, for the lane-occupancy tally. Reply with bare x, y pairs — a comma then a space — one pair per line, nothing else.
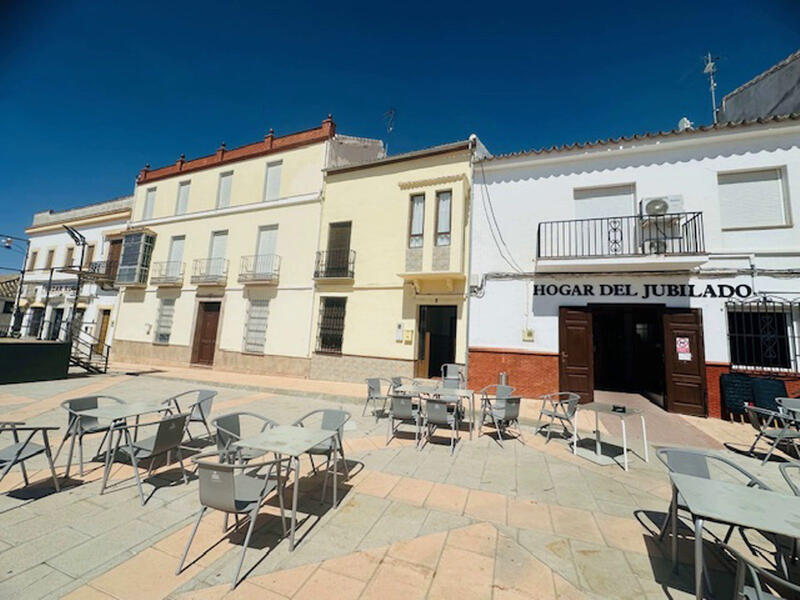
527, 520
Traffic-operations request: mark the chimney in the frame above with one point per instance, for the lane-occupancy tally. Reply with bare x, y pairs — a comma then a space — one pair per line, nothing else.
143, 173
221, 152
328, 126
180, 162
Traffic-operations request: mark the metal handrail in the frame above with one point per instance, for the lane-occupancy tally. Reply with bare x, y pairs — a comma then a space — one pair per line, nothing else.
259, 267
335, 264
169, 271
633, 235
209, 270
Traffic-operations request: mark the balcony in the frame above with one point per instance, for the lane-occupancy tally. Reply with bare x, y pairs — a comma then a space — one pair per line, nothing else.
210, 271
101, 270
335, 264
260, 268
662, 242
167, 273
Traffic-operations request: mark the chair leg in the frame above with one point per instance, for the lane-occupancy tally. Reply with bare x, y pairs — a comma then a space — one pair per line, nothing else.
103, 441
753, 445
313, 466
250, 528
325, 481
364, 410
135, 465
49, 456
664, 525
191, 537
280, 503
67, 434
499, 432
80, 455
150, 468
771, 450
180, 462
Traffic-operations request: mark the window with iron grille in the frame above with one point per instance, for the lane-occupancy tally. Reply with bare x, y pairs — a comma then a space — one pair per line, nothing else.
331, 325
763, 335
166, 313
255, 327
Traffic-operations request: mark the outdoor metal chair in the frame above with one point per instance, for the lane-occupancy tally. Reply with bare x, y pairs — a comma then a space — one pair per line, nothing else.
404, 409
81, 425
791, 473
375, 395
774, 427
198, 403
237, 489
229, 429
501, 413
453, 376
500, 391
400, 381
25, 449
329, 420
758, 577
168, 437
789, 407
561, 407
443, 411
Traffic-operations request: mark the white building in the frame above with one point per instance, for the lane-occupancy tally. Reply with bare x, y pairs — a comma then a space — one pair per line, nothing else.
49, 286
652, 263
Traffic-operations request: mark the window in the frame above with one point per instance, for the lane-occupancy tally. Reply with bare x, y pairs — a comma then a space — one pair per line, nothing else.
134, 263
608, 201
70, 256
331, 325
216, 253
166, 313
35, 323
224, 189
762, 335
32, 261
8, 307
752, 199
50, 256
417, 221
182, 203
88, 257
265, 261
272, 182
255, 328
149, 203
443, 203
175, 257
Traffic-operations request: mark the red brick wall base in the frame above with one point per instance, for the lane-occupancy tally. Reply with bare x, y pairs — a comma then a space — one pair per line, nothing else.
532, 374
716, 406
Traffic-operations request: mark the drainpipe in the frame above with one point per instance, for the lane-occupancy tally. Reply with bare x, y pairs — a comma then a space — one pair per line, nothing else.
472, 147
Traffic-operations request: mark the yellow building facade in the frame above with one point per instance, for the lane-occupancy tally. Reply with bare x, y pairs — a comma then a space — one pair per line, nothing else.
391, 270
216, 266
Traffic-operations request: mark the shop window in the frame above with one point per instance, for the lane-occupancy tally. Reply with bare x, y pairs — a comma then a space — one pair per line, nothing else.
331, 325
763, 335
166, 314
255, 328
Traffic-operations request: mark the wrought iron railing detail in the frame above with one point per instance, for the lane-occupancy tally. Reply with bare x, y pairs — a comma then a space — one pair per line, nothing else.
637, 235
260, 267
167, 272
763, 335
335, 264
103, 269
210, 270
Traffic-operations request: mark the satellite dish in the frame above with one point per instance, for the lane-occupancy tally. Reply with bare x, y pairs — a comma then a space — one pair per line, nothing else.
656, 206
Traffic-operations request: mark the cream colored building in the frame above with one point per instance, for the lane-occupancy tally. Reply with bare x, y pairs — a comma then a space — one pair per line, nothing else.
217, 264
391, 271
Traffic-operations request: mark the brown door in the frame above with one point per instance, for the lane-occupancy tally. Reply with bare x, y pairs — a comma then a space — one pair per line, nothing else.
576, 361
112, 262
684, 362
105, 317
421, 365
205, 334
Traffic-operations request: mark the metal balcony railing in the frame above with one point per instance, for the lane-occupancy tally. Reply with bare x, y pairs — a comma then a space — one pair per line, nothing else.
259, 268
335, 264
167, 272
637, 235
209, 271
102, 269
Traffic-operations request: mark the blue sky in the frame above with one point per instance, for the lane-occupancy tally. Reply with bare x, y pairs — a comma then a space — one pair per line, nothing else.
91, 91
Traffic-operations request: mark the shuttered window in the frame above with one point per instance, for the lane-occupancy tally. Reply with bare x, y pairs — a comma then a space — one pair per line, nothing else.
608, 201
255, 328
443, 202
416, 228
224, 190
752, 199
272, 184
166, 313
182, 203
149, 204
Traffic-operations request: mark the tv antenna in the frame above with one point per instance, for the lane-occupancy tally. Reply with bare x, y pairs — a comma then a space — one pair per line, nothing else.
710, 69
389, 117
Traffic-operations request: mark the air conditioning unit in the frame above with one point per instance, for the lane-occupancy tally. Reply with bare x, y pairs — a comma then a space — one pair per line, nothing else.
655, 247
660, 205
660, 223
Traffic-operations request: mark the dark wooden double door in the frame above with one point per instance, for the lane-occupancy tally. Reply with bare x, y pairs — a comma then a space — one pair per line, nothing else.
205, 333
683, 361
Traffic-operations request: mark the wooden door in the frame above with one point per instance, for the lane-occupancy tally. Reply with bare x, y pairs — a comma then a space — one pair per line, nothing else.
105, 317
205, 334
112, 261
421, 365
684, 362
576, 360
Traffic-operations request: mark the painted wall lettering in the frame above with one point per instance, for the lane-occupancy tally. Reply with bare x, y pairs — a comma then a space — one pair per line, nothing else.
645, 291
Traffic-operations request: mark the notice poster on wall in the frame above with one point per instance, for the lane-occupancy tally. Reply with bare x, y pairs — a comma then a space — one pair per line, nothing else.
683, 349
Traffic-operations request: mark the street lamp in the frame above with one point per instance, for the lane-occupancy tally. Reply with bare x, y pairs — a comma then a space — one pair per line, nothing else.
79, 240
8, 244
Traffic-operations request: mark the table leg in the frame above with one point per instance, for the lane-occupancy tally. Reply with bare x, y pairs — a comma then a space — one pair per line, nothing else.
674, 528
472, 410
698, 558
73, 435
644, 437
109, 454
294, 502
624, 445
597, 446
335, 470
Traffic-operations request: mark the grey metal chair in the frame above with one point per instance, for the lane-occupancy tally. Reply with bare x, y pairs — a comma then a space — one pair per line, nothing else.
789, 407
453, 376
25, 449
198, 403
443, 411
773, 427
375, 395
561, 407
229, 429
404, 409
82, 425
758, 577
498, 390
501, 413
237, 489
791, 473
168, 437
328, 419
400, 381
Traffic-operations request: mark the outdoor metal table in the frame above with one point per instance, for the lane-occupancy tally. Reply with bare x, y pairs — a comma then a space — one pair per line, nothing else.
293, 441
432, 389
734, 504
608, 409
117, 414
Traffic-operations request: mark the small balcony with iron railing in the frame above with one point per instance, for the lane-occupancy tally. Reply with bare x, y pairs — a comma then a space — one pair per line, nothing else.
662, 242
260, 268
209, 271
102, 270
335, 264
167, 273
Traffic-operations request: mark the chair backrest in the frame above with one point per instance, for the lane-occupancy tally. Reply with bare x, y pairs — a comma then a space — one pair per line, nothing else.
373, 387
78, 405
437, 412
572, 405
737, 391
201, 403
758, 577
402, 407
334, 420
697, 463
765, 390
503, 391
789, 406
229, 430
169, 433
217, 485
507, 409
791, 473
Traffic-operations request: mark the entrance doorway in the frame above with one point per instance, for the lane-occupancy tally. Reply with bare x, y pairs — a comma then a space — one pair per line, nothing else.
437, 339
102, 332
57, 318
205, 333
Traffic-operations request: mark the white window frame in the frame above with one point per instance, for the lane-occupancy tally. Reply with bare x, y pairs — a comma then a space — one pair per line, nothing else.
416, 240
784, 190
